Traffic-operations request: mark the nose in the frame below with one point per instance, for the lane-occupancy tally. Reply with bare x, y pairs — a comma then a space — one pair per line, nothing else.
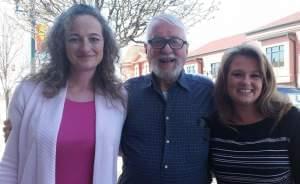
246, 79
85, 45
166, 49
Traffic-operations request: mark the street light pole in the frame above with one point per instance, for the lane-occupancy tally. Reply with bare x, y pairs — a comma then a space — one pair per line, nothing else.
33, 24
33, 51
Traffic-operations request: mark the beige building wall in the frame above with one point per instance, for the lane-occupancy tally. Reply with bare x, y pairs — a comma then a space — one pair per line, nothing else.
298, 56
209, 61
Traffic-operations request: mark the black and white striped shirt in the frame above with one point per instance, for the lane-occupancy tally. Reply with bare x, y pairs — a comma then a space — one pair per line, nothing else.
251, 154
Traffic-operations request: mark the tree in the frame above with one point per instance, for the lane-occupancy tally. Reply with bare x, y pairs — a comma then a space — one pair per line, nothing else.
128, 18
11, 67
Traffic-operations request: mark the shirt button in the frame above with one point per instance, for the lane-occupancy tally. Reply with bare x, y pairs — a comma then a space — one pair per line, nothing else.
167, 141
167, 118
166, 166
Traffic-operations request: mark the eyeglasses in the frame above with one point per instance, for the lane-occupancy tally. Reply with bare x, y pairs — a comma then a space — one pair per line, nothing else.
160, 43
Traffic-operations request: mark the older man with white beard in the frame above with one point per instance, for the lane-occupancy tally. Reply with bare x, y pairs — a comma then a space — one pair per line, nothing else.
165, 137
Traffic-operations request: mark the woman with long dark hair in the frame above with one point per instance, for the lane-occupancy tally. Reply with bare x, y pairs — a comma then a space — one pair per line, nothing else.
67, 118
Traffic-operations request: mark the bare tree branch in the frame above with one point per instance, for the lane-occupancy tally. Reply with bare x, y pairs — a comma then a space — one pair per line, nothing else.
128, 18
11, 69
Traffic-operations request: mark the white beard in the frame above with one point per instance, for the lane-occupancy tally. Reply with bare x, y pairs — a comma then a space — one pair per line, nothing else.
171, 75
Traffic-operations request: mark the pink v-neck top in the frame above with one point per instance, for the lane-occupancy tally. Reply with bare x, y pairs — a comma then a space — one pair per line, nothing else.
76, 143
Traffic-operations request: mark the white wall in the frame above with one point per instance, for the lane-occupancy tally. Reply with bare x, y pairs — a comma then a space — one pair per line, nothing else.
208, 60
298, 59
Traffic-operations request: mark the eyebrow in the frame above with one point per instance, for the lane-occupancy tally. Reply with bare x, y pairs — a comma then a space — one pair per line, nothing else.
168, 37
96, 34
90, 34
239, 70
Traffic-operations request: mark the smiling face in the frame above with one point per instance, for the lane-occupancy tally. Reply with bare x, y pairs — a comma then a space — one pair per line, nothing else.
166, 63
84, 43
244, 81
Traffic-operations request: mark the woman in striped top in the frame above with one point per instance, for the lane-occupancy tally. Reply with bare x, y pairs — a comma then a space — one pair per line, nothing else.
254, 136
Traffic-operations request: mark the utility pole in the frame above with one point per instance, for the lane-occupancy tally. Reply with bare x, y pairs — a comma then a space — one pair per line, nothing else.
33, 24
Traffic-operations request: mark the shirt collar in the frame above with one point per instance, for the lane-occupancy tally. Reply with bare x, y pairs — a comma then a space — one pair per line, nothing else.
181, 81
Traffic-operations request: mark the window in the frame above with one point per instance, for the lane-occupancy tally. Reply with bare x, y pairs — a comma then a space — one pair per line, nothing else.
136, 70
276, 55
145, 68
191, 68
214, 69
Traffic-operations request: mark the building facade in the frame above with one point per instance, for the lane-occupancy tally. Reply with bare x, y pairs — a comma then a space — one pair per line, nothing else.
279, 40
135, 63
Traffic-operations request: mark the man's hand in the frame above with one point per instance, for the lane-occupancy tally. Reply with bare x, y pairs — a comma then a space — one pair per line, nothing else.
6, 129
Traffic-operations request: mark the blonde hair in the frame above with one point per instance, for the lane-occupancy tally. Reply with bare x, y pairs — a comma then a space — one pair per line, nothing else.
270, 103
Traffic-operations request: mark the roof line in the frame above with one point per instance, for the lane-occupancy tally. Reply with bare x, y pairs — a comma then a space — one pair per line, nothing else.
272, 27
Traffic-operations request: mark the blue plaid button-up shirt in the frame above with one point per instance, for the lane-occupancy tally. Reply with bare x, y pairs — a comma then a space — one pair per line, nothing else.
165, 140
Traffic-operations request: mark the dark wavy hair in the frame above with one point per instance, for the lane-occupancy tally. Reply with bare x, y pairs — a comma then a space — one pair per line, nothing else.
270, 103
55, 73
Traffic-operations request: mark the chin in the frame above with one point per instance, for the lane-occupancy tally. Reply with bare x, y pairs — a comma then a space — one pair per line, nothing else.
169, 76
245, 103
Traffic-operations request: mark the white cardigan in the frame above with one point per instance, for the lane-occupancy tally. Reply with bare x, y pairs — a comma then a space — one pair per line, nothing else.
29, 156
